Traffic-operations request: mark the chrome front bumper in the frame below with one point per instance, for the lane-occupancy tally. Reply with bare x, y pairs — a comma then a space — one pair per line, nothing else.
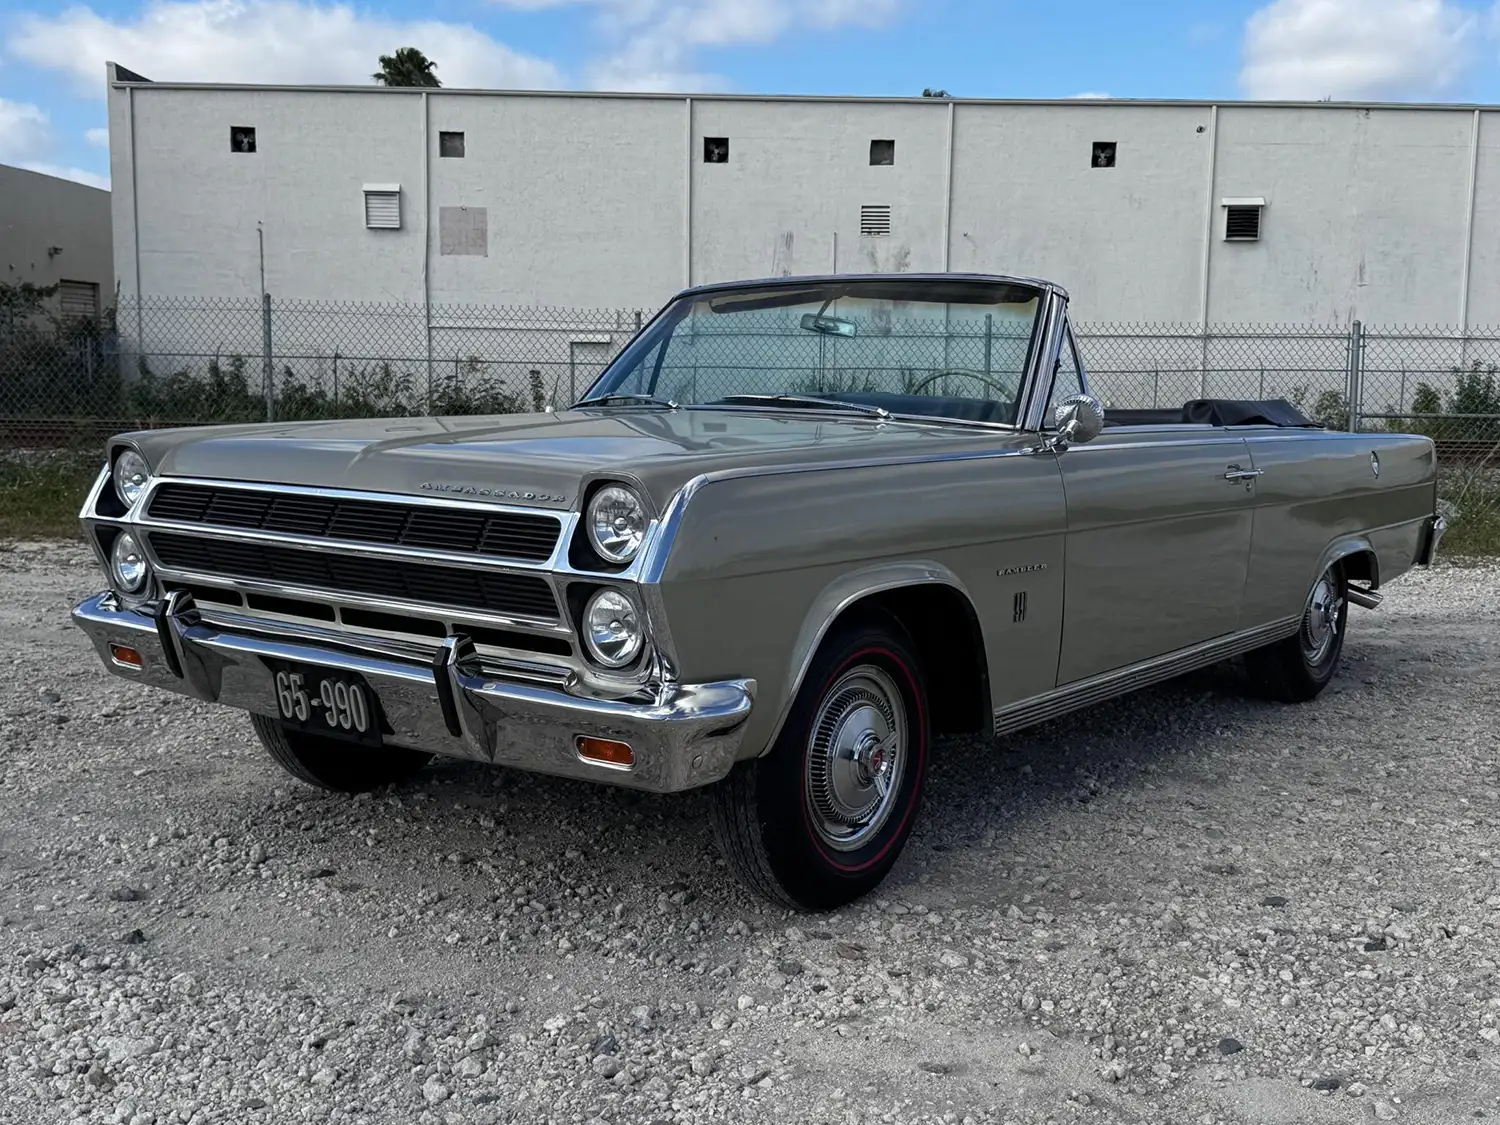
686, 735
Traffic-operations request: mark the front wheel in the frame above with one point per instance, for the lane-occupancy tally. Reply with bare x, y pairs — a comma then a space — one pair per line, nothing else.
1296, 669
821, 819
330, 763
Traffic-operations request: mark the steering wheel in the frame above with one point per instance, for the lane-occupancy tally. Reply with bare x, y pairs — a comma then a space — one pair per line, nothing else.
1007, 394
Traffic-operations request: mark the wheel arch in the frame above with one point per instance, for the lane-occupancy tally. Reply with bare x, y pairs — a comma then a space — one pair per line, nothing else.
1358, 557
922, 597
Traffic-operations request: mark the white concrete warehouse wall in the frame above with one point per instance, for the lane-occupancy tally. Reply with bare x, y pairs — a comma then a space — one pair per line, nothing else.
1125, 241
584, 199
798, 174
588, 199
1365, 216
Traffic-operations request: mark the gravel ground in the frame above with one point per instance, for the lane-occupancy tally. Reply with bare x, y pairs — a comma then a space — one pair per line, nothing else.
1181, 907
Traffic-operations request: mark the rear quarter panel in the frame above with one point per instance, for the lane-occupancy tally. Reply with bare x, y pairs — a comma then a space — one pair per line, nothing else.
760, 563
1319, 496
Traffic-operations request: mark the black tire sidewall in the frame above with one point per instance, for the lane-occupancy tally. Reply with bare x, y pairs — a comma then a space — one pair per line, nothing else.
1320, 673
815, 875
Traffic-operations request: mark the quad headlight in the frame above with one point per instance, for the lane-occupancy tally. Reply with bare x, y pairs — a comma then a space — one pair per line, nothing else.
132, 475
616, 521
612, 629
128, 562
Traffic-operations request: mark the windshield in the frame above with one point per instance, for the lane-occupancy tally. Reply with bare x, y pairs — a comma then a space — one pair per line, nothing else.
949, 349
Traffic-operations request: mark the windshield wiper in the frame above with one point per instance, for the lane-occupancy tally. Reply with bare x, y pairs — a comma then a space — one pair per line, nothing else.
628, 397
807, 400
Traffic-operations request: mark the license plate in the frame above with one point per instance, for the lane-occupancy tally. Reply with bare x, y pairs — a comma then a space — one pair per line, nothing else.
323, 701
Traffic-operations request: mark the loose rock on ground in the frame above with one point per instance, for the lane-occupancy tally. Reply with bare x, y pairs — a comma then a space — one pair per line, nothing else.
1186, 906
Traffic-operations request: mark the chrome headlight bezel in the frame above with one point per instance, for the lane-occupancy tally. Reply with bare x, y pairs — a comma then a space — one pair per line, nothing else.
613, 628
616, 519
131, 473
128, 568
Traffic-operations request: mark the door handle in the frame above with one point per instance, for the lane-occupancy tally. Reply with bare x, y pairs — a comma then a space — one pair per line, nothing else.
1235, 473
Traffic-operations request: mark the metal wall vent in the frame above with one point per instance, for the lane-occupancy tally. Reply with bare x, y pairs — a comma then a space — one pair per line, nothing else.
875, 219
383, 206
78, 299
1242, 219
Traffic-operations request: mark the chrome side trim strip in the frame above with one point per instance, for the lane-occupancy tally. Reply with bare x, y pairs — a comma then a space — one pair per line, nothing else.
1108, 685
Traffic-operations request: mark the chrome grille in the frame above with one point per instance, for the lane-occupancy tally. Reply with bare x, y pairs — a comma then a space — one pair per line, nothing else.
522, 536
426, 584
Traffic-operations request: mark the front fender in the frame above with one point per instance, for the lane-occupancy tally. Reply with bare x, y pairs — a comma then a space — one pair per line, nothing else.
840, 595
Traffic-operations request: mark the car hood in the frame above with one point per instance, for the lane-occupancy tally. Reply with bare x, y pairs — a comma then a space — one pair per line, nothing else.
543, 460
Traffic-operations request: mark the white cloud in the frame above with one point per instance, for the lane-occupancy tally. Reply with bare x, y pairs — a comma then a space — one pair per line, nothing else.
99, 137
263, 41
1356, 48
25, 131
67, 172
27, 141
1090, 95
653, 44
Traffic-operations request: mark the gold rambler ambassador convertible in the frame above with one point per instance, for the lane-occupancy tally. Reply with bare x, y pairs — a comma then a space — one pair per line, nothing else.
799, 527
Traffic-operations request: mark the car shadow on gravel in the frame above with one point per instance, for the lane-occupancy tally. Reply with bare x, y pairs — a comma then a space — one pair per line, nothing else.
982, 794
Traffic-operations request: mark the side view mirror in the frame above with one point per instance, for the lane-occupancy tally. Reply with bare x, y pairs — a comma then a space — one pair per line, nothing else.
1079, 418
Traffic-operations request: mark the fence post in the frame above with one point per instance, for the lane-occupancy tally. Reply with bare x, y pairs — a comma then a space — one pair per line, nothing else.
268, 366
1355, 386
1203, 364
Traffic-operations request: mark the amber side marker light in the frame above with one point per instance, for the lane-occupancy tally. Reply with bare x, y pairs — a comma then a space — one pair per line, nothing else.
126, 656
605, 752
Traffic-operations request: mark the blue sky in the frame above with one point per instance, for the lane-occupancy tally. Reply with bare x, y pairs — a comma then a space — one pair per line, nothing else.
52, 57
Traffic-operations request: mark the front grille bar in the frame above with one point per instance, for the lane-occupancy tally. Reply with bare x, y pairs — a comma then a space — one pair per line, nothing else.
529, 537
426, 584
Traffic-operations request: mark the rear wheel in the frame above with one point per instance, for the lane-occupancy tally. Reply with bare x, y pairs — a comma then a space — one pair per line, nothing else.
822, 818
1296, 669
331, 763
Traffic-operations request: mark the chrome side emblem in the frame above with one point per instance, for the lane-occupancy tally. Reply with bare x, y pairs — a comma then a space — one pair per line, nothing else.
493, 493
1032, 569
1375, 464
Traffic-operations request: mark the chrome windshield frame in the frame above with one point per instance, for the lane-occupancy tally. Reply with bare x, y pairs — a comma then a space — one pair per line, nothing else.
1041, 353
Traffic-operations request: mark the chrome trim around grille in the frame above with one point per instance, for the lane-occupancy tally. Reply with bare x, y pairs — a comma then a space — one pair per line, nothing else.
532, 667
566, 522
555, 627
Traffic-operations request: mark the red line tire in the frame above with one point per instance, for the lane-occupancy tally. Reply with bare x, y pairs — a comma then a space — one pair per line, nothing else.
821, 819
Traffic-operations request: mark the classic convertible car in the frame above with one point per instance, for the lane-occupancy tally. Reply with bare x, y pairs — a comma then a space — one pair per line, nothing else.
796, 529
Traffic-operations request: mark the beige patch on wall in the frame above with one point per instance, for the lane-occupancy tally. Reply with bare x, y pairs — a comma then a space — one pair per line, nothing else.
464, 231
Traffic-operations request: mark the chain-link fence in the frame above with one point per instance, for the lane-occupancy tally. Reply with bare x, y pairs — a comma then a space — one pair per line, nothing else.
172, 361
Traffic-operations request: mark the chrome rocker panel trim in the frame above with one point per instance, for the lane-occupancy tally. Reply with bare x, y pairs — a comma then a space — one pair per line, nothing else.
1108, 685
684, 735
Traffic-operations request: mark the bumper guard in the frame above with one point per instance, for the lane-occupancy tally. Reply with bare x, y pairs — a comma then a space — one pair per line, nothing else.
685, 736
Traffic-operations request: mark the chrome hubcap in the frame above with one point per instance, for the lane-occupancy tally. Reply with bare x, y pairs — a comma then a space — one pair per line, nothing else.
856, 758
1320, 622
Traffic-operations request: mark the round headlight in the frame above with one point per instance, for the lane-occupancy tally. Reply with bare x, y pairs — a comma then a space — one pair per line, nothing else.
617, 523
612, 629
131, 477
129, 562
